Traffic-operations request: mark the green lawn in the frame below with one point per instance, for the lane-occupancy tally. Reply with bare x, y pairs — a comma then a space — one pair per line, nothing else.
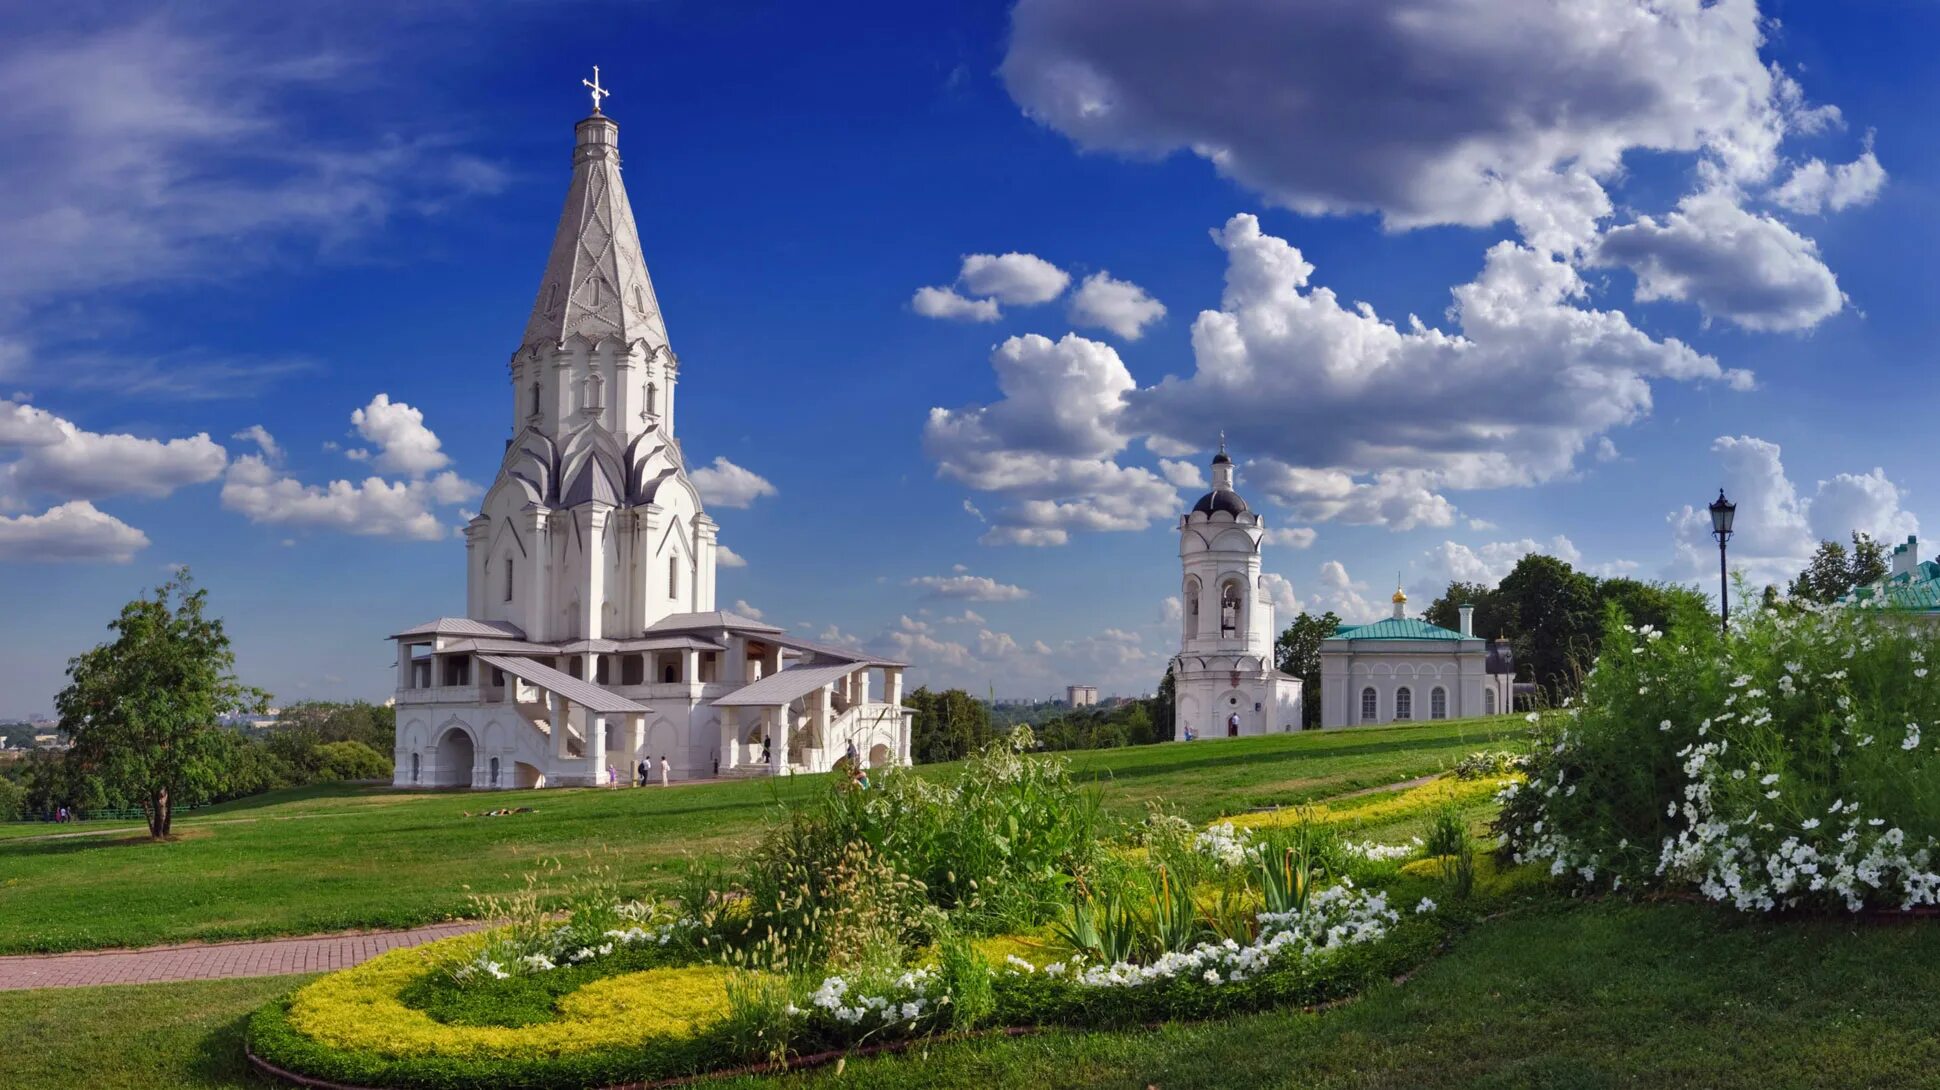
332, 858
1602, 994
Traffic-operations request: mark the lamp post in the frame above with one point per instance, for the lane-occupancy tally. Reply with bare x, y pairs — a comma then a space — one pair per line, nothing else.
1722, 512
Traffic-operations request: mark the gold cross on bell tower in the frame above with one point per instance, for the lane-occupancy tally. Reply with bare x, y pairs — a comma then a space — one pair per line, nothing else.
598, 91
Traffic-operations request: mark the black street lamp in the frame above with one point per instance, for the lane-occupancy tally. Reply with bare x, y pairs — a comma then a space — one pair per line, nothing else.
1722, 512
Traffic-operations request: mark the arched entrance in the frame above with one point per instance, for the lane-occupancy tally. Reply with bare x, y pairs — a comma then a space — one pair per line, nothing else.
878, 755
454, 758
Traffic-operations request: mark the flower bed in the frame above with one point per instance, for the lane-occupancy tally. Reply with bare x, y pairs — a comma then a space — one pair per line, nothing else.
1783, 767
828, 941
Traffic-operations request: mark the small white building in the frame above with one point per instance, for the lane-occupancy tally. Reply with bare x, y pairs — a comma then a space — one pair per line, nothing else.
590, 640
1224, 680
1403, 668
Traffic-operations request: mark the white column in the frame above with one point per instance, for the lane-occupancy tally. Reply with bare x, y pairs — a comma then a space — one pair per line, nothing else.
538, 574
560, 734
596, 746
593, 575
730, 737
778, 741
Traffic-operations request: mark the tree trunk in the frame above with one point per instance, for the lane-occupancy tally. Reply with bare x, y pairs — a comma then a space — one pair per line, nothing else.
159, 814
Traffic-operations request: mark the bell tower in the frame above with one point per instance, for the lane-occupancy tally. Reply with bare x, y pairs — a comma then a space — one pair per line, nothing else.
1224, 677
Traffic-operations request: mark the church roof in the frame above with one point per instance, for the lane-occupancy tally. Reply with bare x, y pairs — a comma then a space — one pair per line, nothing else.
1221, 499
596, 284
584, 693
464, 626
1397, 628
785, 686
1918, 589
719, 618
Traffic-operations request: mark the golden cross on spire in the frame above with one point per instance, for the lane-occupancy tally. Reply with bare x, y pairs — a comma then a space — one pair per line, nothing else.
598, 91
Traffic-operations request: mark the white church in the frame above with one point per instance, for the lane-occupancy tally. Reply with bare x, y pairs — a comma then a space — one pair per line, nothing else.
1224, 680
590, 639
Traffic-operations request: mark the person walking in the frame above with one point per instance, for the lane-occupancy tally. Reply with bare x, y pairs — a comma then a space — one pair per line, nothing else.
643, 772
717, 764
664, 766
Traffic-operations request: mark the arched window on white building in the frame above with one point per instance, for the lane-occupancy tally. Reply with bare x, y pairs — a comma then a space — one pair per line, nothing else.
673, 577
1370, 709
1192, 607
1438, 703
1488, 702
508, 578
1404, 703
1232, 609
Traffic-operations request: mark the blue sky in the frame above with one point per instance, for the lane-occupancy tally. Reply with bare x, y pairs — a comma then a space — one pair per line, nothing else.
1653, 249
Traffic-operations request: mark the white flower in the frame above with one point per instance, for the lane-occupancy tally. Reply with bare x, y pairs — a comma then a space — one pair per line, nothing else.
1769, 780
1665, 725
1212, 976
1426, 905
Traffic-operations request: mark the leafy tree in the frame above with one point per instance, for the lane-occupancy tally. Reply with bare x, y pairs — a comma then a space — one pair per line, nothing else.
1826, 576
949, 726
1868, 560
1556, 619
1832, 573
1446, 610
142, 710
13, 800
352, 760
1297, 652
325, 721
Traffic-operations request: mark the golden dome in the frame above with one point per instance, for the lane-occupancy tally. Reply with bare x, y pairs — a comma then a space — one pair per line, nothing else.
1400, 596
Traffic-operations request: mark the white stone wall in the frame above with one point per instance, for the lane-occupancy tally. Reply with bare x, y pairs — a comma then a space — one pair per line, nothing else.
1348, 667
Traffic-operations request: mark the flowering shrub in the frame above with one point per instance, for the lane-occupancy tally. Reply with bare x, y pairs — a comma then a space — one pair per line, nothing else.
1490, 764
1783, 767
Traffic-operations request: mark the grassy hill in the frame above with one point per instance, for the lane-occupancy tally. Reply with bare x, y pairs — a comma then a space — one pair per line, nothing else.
331, 858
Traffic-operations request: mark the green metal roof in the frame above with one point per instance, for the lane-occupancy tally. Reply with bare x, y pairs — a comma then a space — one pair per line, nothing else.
1398, 628
1917, 589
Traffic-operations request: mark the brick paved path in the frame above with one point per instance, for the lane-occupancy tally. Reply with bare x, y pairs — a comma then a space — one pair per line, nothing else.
274, 957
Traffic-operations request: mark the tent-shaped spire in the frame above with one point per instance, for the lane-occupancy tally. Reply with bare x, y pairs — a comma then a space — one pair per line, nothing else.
596, 284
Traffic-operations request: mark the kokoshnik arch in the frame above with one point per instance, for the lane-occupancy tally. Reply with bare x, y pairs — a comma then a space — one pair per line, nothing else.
590, 637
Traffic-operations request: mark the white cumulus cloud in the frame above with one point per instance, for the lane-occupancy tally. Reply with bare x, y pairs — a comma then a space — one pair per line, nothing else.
932, 302
404, 445
1815, 187
1119, 306
1745, 268
72, 532
725, 484
1017, 279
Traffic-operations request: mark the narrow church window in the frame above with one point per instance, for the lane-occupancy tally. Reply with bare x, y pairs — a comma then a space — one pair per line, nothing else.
508, 578
1438, 703
595, 391
535, 399
1192, 608
653, 403
1369, 712
673, 577
1488, 702
1404, 703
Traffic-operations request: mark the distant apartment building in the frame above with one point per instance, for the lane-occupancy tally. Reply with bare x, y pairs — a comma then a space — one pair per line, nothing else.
1081, 696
